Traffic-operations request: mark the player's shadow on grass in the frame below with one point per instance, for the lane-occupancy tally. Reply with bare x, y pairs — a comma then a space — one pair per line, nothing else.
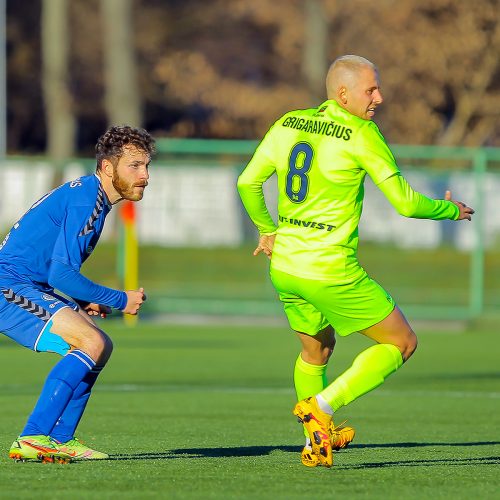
421, 444
256, 451
469, 461
240, 451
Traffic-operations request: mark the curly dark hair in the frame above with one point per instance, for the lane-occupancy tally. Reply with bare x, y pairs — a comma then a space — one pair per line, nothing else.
110, 145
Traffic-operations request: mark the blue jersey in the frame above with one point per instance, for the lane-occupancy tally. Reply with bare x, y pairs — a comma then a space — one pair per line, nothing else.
49, 244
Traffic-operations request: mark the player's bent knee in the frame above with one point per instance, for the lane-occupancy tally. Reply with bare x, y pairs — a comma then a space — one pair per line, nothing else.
108, 349
79, 333
92, 341
101, 344
410, 346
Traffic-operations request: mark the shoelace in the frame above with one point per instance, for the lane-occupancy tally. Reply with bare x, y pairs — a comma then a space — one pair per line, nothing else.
340, 435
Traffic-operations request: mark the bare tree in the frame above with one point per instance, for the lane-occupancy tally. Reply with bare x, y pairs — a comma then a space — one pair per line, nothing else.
476, 109
439, 61
314, 62
122, 99
60, 120
229, 69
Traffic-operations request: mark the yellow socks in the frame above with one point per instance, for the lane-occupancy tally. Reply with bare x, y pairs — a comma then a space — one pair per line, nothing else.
368, 371
308, 379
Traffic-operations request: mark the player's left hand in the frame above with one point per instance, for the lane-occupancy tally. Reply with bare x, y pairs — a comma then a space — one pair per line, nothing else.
94, 309
266, 244
465, 212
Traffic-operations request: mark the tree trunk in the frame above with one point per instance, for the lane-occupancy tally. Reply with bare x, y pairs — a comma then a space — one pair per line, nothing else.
60, 119
122, 101
314, 63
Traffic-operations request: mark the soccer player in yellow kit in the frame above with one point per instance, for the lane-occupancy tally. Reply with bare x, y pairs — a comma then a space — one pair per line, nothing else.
321, 157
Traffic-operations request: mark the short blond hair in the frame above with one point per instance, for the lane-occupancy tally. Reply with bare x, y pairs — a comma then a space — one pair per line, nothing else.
343, 70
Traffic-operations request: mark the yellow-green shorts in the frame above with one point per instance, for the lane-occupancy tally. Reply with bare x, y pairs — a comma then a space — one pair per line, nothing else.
311, 305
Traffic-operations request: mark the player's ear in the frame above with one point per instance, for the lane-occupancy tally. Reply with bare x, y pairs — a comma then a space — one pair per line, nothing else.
107, 168
342, 93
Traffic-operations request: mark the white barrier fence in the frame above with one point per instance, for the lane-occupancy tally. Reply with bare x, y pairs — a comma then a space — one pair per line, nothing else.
197, 205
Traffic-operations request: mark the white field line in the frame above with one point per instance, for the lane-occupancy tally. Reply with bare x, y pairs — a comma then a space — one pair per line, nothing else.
21, 389
281, 390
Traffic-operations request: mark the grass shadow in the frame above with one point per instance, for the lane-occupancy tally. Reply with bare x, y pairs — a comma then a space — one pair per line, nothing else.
422, 444
239, 451
256, 451
468, 461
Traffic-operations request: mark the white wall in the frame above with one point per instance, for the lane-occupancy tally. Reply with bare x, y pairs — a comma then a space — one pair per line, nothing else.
199, 206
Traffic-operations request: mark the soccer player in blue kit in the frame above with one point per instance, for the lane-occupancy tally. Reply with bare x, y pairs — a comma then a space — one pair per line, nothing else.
44, 252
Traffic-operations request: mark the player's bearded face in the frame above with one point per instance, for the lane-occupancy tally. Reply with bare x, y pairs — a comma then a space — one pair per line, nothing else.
130, 174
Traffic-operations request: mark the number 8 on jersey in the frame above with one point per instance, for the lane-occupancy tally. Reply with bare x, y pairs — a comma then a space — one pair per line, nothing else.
299, 164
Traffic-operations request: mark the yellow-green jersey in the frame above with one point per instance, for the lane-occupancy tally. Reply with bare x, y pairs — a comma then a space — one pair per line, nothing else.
321, 157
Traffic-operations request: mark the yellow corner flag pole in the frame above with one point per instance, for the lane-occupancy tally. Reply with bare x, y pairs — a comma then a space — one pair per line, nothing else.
130, 249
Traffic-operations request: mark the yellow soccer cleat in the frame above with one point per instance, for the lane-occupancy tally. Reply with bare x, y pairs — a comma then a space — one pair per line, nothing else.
340, 438
318, 425
76, 450
308, 458
36, 448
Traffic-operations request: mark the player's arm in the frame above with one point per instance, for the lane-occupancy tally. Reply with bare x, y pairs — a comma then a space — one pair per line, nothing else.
68, 280
250, 189
68, 255
250, 182
378, 161
135, 298
411, 203
252, 195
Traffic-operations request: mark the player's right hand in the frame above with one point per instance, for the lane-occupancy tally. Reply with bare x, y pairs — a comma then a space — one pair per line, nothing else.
93, 309
266, 244
135, 298
465, 211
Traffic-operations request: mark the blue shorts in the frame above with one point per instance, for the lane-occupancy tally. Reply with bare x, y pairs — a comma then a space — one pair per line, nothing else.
26, 313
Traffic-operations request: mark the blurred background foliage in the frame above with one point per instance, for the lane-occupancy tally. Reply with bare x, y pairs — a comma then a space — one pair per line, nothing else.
229, 68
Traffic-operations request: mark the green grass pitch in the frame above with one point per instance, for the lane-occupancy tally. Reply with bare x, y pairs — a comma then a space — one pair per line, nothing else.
190, 278
205, 412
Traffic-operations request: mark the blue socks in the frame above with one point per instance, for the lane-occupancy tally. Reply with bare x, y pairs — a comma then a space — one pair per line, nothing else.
65, 427
58, 390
